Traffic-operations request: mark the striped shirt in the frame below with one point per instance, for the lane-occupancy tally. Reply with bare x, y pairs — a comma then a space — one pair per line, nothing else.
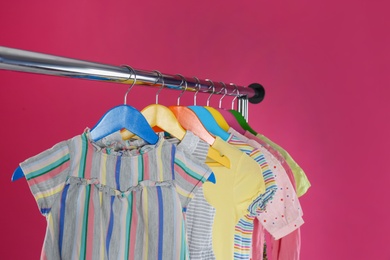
107, 203
244, 227
199, 214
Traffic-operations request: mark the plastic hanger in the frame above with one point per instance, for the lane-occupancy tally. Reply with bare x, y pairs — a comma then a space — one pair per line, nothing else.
124, 116
218, 116
115, 119
230, 119
227, 120
208, 120
18, 174
161, 117
190, 121
120, 117
242, 121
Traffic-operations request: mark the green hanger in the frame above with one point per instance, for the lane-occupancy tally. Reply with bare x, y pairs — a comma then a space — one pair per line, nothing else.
241, 120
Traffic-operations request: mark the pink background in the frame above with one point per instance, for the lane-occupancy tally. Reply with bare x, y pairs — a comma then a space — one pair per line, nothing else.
324, 64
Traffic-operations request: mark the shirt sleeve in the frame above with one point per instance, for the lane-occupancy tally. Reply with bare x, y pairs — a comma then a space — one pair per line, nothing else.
301, 180
46, 174
259, 203
284, 213
190, 174
194, 146
248, 185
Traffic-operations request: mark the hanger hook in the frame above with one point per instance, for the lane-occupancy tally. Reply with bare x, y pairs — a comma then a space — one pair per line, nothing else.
235, 90
183, 80
197, 89
211, 86
160, 77
224, 88
132, 71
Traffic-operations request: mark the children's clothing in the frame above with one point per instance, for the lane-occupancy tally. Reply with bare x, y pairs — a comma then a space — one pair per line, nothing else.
106, 200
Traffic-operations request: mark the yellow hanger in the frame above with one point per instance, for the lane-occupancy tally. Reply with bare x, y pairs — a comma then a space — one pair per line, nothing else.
160, 117
219, 118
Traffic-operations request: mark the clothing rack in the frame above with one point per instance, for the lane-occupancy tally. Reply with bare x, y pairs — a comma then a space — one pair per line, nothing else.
34, 62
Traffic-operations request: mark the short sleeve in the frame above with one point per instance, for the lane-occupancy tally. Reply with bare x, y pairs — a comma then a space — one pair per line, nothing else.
194, 146
261, 201
248, 184
284, 213
46, 174
301, 180
190, 174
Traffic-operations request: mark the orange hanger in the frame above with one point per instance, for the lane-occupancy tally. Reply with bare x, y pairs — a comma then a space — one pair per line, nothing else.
190, 121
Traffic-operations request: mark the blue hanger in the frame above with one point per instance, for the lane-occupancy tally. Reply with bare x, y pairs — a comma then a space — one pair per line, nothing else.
208, 120
212, 178
120, 117
18, 174
124, 116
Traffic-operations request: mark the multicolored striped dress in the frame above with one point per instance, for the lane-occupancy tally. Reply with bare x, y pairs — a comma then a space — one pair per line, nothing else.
120, 201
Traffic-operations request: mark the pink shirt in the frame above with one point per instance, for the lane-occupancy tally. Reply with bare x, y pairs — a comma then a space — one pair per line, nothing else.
283, 216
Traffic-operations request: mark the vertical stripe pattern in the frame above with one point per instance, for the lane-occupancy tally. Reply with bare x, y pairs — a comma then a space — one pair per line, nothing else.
127, 230
110, 226
160, 223
62, 216
114, 204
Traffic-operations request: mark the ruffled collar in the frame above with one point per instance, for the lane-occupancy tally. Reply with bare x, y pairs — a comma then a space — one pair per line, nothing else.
113, 144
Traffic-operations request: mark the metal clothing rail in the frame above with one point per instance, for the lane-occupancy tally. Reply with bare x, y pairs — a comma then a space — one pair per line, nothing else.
34, 62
